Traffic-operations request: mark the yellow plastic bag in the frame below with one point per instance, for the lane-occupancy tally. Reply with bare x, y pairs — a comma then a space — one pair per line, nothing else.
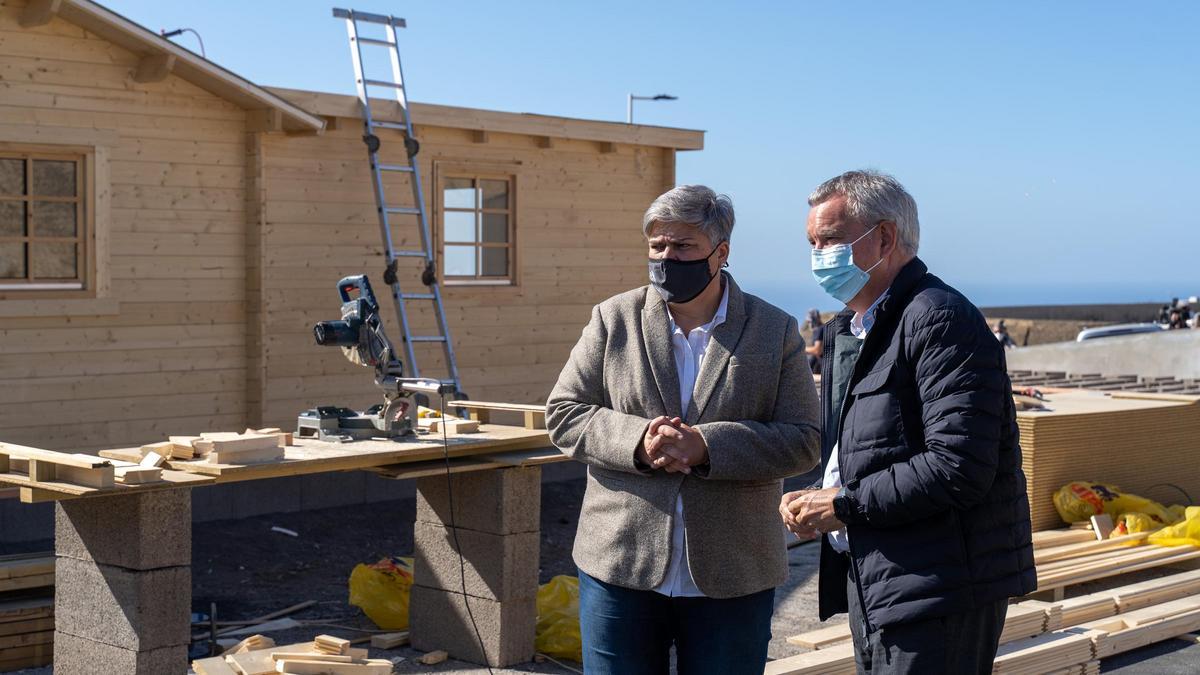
382, 591
1185, 532
558, 619
1078, 501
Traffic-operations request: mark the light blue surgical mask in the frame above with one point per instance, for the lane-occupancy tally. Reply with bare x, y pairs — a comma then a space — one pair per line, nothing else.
834, 269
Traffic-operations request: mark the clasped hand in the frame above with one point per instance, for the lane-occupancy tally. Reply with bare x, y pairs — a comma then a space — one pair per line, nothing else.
672, 446
809, 513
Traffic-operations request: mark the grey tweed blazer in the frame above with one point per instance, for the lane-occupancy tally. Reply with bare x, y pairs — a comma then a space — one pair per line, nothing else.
754, 403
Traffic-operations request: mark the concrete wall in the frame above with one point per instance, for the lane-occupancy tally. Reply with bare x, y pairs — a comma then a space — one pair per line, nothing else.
1089, 314
1170, 353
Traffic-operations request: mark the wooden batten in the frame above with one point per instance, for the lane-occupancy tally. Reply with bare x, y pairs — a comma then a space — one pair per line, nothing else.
479, 136
607, 147
545, 142
154, 68
39, 12
264, 121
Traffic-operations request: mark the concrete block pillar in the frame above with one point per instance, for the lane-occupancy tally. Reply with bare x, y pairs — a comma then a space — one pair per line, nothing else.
123, 584
496, 527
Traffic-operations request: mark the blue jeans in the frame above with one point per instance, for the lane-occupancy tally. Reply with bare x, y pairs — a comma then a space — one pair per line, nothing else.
628, 632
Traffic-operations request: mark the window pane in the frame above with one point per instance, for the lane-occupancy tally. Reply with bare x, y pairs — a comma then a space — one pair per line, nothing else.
53, 260
495, 262
460, 226
460, 261
12, 261
53, 178
495, 194
495, 227
459, 194
12, 176
12, 219
54, 219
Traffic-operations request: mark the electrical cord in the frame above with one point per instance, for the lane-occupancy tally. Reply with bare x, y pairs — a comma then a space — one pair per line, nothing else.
462, 563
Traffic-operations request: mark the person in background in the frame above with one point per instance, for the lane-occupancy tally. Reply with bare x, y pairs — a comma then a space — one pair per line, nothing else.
816, 343
1175, 320
689, 401
1001, 333
923, 511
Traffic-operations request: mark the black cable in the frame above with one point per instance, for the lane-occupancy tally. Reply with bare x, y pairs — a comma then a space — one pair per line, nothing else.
1187, 499
462, 563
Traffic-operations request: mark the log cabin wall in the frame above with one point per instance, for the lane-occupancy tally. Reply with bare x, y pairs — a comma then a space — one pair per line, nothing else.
155, 344
213, 218
574, 211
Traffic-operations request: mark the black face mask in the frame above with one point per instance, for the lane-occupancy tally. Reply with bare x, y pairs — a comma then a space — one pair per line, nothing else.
680, 281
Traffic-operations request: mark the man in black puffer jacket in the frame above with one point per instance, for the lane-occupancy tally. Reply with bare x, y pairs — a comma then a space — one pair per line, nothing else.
922, 505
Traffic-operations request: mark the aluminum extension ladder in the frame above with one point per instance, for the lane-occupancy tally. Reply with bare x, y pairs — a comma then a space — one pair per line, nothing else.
387, 209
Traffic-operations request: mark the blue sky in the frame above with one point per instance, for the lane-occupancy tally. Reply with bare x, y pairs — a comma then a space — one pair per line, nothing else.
1052, 148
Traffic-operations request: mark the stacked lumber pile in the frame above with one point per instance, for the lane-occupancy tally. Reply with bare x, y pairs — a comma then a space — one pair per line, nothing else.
325, 655
1135, 441
1061, 636
26, 611
222, 447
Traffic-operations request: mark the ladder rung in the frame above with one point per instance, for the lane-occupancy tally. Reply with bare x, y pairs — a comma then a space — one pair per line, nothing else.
395, 167
386, 124
373, 41
427, 338
368, 17
384, 83
405, 210
417, 296
409, 254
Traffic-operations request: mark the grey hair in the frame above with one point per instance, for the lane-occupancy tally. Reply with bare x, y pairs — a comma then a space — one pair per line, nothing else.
693, 205
872, 196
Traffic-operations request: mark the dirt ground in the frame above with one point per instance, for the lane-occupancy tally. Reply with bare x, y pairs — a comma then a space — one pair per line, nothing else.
248, 570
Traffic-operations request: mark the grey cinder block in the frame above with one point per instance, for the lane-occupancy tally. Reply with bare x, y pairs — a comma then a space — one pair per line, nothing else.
439, 620
497, 567
134, 610
74, 655
141, 531
501, 501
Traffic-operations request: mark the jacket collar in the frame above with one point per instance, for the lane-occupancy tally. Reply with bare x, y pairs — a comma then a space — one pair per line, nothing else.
656, 333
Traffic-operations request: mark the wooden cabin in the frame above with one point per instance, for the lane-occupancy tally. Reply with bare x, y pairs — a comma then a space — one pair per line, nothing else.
170, 232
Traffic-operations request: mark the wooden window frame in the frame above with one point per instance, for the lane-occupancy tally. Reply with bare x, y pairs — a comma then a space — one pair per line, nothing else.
85, 283
476, 174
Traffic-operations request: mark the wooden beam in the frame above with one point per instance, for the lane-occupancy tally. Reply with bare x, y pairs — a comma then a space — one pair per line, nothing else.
545, 142
264, 121
154, 68
479, 136
39, 12
608, 147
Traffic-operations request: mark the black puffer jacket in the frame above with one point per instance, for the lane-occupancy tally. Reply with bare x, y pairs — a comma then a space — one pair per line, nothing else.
930, 459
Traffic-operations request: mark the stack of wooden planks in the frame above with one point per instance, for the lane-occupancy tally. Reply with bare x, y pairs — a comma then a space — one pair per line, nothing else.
1064, 635
325, 655
1135, 441
222, 447
26, 611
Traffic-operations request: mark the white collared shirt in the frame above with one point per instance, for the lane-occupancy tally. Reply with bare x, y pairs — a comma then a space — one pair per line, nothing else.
860, 324
689, 352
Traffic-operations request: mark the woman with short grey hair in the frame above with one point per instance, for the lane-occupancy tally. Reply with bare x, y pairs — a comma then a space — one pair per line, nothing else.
689, 401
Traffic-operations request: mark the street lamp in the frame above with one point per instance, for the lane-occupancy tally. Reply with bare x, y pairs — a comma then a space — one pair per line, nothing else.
632, 98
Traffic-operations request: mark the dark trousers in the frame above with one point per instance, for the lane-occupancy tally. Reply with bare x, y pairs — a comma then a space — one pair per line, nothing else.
628, 632
960, 644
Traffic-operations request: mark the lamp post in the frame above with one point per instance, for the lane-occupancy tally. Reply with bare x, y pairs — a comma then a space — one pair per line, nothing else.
632, 98
179, 31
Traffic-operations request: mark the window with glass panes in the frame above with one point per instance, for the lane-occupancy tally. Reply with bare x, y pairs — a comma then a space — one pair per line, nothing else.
477, 228
43, 235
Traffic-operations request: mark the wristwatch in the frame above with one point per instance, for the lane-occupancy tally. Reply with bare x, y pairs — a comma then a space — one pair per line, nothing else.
841, 505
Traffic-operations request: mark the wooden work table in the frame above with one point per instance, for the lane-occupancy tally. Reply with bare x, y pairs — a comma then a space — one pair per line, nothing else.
123, 568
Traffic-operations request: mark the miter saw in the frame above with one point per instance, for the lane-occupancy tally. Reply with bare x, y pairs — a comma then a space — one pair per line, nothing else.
360, 335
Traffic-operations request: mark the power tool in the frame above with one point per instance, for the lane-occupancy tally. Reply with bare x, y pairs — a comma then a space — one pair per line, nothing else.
360, 335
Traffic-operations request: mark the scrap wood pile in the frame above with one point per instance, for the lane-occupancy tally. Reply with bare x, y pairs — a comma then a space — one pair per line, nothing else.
324, 655
1064, 635
26, 611
253, 445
